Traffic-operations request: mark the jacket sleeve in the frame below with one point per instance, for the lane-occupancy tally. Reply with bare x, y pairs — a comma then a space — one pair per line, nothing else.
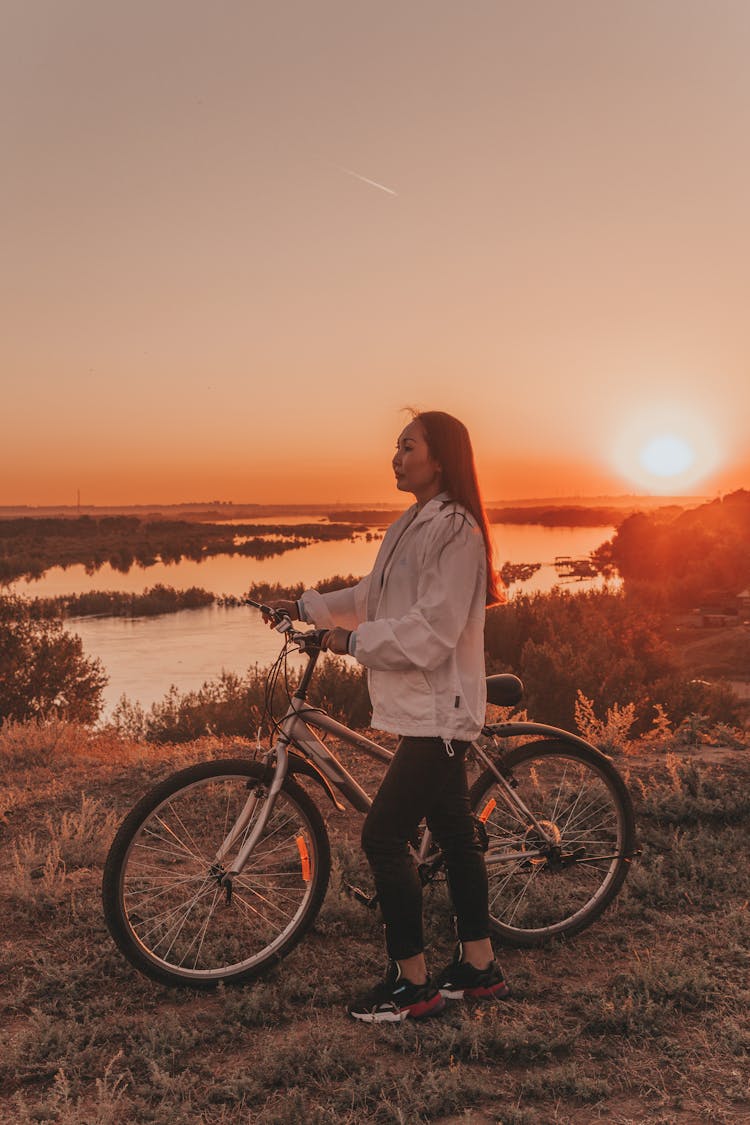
347, 607
453, 568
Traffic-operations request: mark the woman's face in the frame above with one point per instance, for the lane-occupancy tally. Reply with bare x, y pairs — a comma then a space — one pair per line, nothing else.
415, 468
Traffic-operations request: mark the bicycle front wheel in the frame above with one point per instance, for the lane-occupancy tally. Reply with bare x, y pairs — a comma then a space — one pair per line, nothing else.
559, 845
164, 902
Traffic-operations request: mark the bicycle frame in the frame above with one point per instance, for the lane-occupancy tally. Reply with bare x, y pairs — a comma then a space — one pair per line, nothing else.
295, 732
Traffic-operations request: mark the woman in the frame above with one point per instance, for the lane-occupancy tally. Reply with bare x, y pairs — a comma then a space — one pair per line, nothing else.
417, 624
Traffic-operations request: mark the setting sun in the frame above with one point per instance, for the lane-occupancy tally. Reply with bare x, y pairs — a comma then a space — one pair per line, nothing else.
667, 456
667, 446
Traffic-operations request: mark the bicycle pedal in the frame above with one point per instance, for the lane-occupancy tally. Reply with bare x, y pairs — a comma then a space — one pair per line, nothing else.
370, 901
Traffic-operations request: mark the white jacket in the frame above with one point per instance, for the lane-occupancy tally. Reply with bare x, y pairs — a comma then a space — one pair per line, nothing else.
419, 621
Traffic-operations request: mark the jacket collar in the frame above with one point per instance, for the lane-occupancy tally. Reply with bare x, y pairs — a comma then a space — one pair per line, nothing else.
431, 508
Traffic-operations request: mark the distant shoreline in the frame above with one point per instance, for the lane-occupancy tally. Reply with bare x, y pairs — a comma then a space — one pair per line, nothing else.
225, 510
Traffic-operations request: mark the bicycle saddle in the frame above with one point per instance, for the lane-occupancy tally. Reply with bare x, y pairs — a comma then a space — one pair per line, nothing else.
504, 690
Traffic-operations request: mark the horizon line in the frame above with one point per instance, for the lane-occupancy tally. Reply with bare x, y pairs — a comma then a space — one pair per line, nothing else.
587, 498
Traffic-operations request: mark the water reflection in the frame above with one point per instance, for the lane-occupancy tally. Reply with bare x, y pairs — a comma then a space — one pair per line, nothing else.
232, 574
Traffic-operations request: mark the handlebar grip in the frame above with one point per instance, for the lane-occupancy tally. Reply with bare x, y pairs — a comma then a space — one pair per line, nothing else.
275, 614
311, 640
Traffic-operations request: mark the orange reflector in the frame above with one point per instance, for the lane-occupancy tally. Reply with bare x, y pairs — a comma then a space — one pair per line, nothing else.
304, 856
486, 812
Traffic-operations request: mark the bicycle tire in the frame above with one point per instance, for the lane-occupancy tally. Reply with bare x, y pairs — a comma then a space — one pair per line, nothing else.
538, 892
163, 902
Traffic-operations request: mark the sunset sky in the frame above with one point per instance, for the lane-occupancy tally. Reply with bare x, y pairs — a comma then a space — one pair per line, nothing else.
237, 238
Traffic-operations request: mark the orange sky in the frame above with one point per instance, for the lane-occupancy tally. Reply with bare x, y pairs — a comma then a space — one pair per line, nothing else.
203, 300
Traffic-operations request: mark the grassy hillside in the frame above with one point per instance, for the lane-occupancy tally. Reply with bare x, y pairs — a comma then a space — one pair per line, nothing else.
643, 1018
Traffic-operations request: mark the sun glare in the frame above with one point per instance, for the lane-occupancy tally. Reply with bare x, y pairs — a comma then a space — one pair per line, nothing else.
667, 456
666, 448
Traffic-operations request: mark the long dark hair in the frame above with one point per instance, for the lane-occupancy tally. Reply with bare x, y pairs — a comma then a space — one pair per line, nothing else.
450, 445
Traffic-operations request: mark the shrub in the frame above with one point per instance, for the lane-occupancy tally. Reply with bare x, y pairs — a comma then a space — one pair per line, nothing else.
128, 719
690, 792
660, 735
37, 872
682, 698
228, 705
608, 735
81, 837
43, 671
341, 688
675, 560
40, 741
233, 705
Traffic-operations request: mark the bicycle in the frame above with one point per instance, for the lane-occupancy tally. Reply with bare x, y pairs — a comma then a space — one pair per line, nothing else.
221, 869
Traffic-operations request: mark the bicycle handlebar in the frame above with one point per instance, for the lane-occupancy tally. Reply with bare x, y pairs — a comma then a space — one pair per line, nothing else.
308, 641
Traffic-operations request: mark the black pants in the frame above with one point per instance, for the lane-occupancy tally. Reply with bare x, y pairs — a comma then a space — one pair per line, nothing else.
423, 780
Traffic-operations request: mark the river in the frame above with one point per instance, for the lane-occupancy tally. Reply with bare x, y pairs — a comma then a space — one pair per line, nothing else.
144, 656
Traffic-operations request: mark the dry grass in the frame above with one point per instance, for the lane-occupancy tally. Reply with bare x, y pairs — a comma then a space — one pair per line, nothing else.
643, 1018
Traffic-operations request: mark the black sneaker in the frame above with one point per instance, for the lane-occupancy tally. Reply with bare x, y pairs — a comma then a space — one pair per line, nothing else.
396, 999
461, 981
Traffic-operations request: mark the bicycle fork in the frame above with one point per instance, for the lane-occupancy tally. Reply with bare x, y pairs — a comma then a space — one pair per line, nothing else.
240, 826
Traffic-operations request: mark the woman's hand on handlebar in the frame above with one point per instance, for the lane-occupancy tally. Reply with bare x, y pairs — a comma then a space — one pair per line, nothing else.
289, 608
336, 640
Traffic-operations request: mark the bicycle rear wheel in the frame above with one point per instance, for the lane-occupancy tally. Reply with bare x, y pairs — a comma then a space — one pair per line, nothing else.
540, 889
164, 903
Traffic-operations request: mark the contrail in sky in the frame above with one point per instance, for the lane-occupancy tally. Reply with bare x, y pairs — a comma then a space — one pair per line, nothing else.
364, 179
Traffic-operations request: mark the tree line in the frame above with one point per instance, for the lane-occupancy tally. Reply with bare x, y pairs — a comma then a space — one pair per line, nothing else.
151, 602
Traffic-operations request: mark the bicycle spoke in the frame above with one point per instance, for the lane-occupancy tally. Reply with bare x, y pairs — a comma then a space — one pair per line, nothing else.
515, 870
282, 894
163, 870
170, 855
201, 935
516, 902
264, 901
163, 889
180, 909
559, 794
196, 853
263, 898
181, 927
